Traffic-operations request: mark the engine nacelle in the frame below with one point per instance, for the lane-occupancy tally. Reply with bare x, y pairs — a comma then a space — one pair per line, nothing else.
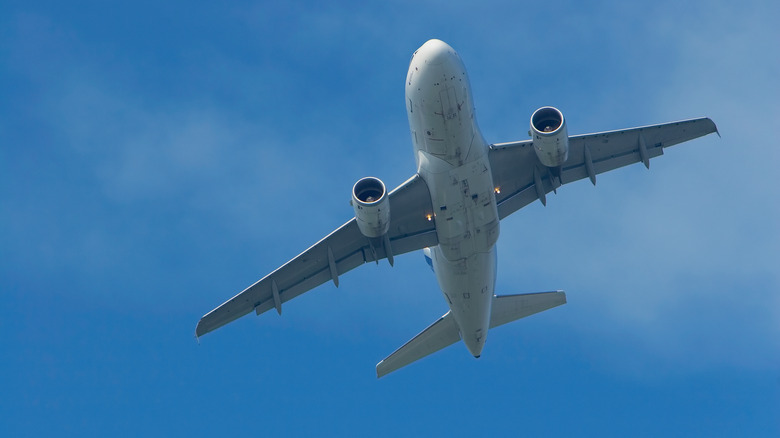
550, 137
372, 206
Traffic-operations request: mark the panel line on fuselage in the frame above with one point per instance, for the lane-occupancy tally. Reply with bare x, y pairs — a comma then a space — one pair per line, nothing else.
452, 159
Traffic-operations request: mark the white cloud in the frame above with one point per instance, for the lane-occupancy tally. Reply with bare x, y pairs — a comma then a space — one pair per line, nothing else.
681, 259
642, 251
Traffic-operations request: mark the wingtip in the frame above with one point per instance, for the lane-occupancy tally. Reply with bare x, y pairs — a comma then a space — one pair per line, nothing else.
714, 127
199, 330
197, 336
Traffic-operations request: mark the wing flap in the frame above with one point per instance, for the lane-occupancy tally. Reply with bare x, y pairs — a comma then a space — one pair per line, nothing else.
440, 334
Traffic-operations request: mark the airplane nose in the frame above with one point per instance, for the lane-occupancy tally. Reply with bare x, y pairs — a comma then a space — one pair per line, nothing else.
436, 52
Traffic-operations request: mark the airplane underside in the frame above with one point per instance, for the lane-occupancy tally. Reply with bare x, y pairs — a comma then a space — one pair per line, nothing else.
452, 207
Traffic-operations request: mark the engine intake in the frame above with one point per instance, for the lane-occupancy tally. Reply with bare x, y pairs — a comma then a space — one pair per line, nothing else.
372, 207
550, 137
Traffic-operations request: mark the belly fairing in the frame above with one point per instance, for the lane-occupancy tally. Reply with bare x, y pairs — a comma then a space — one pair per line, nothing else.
451, 152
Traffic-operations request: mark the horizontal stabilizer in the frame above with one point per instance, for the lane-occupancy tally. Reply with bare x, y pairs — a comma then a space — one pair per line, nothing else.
444, 332
507, 308
438, 335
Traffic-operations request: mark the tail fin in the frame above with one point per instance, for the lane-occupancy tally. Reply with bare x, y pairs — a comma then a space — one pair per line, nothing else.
507, 308
444, 332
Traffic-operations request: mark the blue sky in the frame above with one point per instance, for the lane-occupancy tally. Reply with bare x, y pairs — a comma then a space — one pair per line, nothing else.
157, 159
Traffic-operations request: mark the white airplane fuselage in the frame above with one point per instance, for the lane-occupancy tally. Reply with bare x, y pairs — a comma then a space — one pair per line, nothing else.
452, 158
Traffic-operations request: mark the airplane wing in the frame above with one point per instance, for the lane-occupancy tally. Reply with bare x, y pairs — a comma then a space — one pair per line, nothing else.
339, 252
520, 178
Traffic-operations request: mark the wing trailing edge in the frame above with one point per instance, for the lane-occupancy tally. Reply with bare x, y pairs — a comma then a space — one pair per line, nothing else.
521, 179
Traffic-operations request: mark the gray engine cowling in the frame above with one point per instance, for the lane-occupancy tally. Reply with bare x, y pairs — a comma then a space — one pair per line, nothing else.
372, 206
550, 137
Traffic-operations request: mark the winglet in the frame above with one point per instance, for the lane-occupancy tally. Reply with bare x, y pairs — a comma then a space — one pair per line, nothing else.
712, 128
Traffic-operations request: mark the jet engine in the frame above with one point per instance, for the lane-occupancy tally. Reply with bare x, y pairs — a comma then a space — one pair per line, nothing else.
372, 207
550, 138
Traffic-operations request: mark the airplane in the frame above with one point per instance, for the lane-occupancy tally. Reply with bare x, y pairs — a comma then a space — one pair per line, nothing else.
452, 206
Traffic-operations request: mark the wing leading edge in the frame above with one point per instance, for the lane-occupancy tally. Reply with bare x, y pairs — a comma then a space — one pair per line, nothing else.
341, 251
520, 178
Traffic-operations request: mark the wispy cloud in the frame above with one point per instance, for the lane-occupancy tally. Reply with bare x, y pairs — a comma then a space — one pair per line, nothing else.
158, 166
